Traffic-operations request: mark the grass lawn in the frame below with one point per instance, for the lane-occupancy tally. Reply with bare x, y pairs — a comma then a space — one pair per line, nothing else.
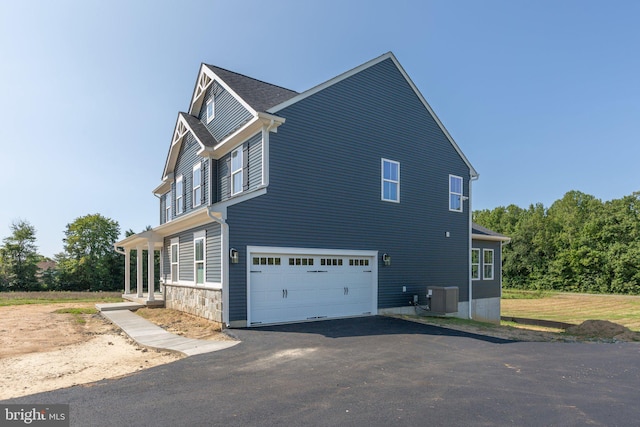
20, 298
572, 308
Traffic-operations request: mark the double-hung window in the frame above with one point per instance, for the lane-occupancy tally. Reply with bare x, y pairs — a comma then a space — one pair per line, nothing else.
236, 171
179, 195
487, 264
475, 264
167, 207
197, 184
390, 181
175, 257
455, 193
198, 257
211, 109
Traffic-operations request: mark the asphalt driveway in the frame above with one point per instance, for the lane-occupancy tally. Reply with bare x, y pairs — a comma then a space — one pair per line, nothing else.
373, 371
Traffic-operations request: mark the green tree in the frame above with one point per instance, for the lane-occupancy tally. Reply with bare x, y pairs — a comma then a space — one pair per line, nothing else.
578, 244
89, 261
19, 258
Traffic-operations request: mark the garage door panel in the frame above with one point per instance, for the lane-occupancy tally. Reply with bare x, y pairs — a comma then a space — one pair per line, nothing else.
295, 287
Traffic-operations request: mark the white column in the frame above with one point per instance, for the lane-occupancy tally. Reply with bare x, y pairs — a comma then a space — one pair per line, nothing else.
139, 250
127, 271
150, 271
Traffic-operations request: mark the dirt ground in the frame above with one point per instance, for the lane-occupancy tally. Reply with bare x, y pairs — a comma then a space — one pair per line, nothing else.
41, 350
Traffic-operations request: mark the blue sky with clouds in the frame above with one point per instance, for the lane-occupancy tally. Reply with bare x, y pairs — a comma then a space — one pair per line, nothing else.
542, 96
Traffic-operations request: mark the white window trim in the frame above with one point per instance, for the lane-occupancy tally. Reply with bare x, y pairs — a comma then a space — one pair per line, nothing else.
200, 235
484, 264
175, 243
167, 207
179, 197
196, 201
236, 172
461, 194
479, 264
383, 180
211, 102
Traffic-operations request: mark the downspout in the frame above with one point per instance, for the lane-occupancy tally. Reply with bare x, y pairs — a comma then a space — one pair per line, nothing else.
224, 276
265, 152
115, 248
473, 178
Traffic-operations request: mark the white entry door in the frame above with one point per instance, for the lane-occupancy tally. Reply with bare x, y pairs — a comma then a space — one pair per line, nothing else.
296, 285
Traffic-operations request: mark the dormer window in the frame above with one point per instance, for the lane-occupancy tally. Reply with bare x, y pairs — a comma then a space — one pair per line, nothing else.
211, 109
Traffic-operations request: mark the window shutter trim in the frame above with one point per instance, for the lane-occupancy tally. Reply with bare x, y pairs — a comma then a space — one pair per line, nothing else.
245, 167
202, 187
228, 176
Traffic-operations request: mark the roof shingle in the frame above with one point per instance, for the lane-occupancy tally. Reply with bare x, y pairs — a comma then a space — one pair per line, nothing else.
258, 94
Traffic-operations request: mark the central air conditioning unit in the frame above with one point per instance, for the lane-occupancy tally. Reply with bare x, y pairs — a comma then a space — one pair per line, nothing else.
444, 300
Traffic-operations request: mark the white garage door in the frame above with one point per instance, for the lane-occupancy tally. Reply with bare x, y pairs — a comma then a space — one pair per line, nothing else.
289, 286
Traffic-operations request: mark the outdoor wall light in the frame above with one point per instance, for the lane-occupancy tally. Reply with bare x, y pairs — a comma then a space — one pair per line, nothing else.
234, 256
386, 258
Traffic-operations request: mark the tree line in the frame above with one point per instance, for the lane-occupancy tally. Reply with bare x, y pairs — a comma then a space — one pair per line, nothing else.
578, 244
88, 261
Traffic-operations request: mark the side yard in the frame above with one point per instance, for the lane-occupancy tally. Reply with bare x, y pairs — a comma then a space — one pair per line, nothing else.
573, 308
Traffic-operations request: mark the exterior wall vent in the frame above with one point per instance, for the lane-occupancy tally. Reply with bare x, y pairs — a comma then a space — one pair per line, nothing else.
444, 300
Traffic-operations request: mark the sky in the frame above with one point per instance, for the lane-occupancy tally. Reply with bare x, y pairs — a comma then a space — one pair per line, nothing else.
542, 96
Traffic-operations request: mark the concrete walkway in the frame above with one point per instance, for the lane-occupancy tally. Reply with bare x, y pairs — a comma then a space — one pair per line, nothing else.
150, 335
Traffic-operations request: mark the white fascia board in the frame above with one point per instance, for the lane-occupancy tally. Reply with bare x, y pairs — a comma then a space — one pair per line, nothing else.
141, 239
164, 187
251, 128
172, 152
362, 67
172, 157
490, 238
196, 99
184, 222
193, 219
214, 77
202, 146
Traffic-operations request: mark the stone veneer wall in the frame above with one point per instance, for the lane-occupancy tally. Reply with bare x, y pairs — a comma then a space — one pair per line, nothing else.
201, 302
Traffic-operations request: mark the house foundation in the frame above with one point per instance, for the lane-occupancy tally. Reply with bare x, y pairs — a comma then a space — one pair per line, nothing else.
198, 301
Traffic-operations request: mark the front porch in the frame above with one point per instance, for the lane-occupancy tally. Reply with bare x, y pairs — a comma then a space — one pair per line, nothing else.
135, 247
156, 300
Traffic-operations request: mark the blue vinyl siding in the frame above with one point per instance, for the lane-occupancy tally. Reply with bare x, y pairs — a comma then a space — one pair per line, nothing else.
213, 250
488, 288
254, 166
163, 204
187, 158
325, 188
229, 113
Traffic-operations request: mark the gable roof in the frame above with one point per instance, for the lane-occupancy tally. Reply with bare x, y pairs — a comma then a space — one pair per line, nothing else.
482, 233
258, 94
347, 74
199, 130
185, 123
